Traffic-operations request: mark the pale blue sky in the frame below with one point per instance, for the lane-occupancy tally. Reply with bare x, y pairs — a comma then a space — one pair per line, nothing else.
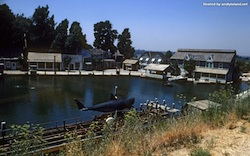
157, 25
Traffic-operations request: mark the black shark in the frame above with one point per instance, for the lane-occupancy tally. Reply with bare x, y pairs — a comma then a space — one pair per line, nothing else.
110, 106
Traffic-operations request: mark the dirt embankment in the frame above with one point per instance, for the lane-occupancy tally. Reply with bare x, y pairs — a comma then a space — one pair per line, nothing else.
230, 140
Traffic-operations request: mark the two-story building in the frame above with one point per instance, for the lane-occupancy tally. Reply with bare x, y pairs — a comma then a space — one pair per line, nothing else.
212, 65
151, 58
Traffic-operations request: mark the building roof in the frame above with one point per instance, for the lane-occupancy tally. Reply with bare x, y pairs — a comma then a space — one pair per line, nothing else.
203, 104
216, 55
157, 67
130, 61
153, 57
95, 51
44, 57
211, 70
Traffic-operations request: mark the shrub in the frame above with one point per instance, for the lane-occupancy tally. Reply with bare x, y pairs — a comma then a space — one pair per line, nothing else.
200, 152
26, 139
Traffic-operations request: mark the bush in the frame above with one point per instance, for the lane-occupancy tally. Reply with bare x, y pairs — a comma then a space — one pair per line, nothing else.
200, 152
26, 139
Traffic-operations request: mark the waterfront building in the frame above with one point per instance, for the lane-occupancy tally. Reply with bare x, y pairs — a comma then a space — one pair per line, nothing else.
44, 61
159, 71
11, 63
212, 65
130, 64
151, 58
75, 63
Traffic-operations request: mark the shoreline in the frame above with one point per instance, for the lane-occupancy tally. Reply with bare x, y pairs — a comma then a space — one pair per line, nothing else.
107, 72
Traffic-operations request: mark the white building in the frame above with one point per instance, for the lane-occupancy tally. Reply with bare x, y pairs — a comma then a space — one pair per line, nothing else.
44, 61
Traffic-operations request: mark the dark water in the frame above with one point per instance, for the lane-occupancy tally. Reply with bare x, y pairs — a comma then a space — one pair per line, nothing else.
48, 98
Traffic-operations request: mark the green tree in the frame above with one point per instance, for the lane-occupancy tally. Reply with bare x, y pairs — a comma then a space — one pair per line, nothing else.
105, 36
66, 62
21, 27
7, 18
242, 66
76, 41
125, 44
42, 33
168, 55
176, 67
58, 45
189, 66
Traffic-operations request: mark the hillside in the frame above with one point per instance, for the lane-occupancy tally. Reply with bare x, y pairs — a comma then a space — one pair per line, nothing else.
230, 140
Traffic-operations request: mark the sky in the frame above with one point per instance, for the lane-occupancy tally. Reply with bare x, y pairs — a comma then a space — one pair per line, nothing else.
157, 25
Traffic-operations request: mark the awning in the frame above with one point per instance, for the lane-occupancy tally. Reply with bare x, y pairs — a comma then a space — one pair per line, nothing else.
211, 70
44, 57
130, 61
157, 67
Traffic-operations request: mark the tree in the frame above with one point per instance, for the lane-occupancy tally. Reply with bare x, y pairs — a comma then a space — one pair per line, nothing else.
42, 33
125, 44
168, 55
189, 66
7, 18
76, 41
66, 62
177, 69
21, 27
105, 36
58, 45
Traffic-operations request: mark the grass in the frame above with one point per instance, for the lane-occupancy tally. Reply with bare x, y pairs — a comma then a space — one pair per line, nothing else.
200, 152
160, 136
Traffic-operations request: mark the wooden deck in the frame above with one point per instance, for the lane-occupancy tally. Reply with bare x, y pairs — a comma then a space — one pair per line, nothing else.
203, 104
161, 107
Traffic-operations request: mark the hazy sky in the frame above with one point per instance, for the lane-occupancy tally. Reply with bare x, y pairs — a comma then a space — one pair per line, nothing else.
157, 25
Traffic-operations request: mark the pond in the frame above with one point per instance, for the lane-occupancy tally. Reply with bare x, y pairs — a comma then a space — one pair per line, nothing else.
41, 99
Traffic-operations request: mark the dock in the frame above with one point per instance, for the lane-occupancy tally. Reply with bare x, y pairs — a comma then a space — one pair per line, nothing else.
163, 108
203, 105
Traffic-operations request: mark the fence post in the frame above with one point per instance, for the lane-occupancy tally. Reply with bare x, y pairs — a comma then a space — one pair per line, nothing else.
3, 127
64, 125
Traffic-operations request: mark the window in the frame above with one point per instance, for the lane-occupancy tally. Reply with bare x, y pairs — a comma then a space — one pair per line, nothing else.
210, 65
187, 57
220, 65
197, 63
210, 58
77, 65
41, 65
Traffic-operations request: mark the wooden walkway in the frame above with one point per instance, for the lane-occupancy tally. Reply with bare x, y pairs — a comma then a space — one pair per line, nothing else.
154, 105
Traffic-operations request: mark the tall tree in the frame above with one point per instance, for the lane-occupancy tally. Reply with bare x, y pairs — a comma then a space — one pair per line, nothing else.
43, 28
21, 27
105, 36
168, 55
58, 45
189, 66
125, 44
76, 41
7, 18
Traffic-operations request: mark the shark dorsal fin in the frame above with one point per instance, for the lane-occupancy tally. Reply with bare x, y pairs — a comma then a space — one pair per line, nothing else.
113, 97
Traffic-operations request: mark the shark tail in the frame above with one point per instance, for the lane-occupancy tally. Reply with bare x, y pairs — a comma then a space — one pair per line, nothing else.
80, 105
